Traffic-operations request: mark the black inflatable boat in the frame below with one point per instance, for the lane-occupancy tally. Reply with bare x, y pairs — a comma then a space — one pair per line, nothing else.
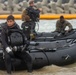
60, 53
46, 53
55, 36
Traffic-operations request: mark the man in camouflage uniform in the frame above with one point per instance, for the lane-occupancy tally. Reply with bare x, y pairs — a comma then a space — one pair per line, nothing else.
61, 24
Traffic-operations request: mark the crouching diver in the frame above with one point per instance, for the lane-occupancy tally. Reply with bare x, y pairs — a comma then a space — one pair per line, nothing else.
8, 52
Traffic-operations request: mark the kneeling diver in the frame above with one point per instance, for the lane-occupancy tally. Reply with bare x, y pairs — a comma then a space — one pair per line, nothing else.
61, 24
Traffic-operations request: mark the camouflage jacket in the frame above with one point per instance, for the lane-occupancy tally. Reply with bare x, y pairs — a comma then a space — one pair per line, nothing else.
60, 27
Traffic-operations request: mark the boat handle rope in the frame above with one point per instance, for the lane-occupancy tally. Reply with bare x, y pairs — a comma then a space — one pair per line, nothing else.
44, 51
46, 56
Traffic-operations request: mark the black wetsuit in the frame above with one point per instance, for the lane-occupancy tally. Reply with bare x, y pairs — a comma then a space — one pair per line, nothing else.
34, 15
19, 54
27, 28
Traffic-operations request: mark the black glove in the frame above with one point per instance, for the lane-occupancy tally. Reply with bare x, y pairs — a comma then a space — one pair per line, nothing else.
63, 32
11, 54
28, 42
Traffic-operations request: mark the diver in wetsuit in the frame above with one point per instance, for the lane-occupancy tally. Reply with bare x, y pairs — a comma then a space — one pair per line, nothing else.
26, 27
33, 12
8, 52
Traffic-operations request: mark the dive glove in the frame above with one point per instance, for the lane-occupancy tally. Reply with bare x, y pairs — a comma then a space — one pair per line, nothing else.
9, 51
